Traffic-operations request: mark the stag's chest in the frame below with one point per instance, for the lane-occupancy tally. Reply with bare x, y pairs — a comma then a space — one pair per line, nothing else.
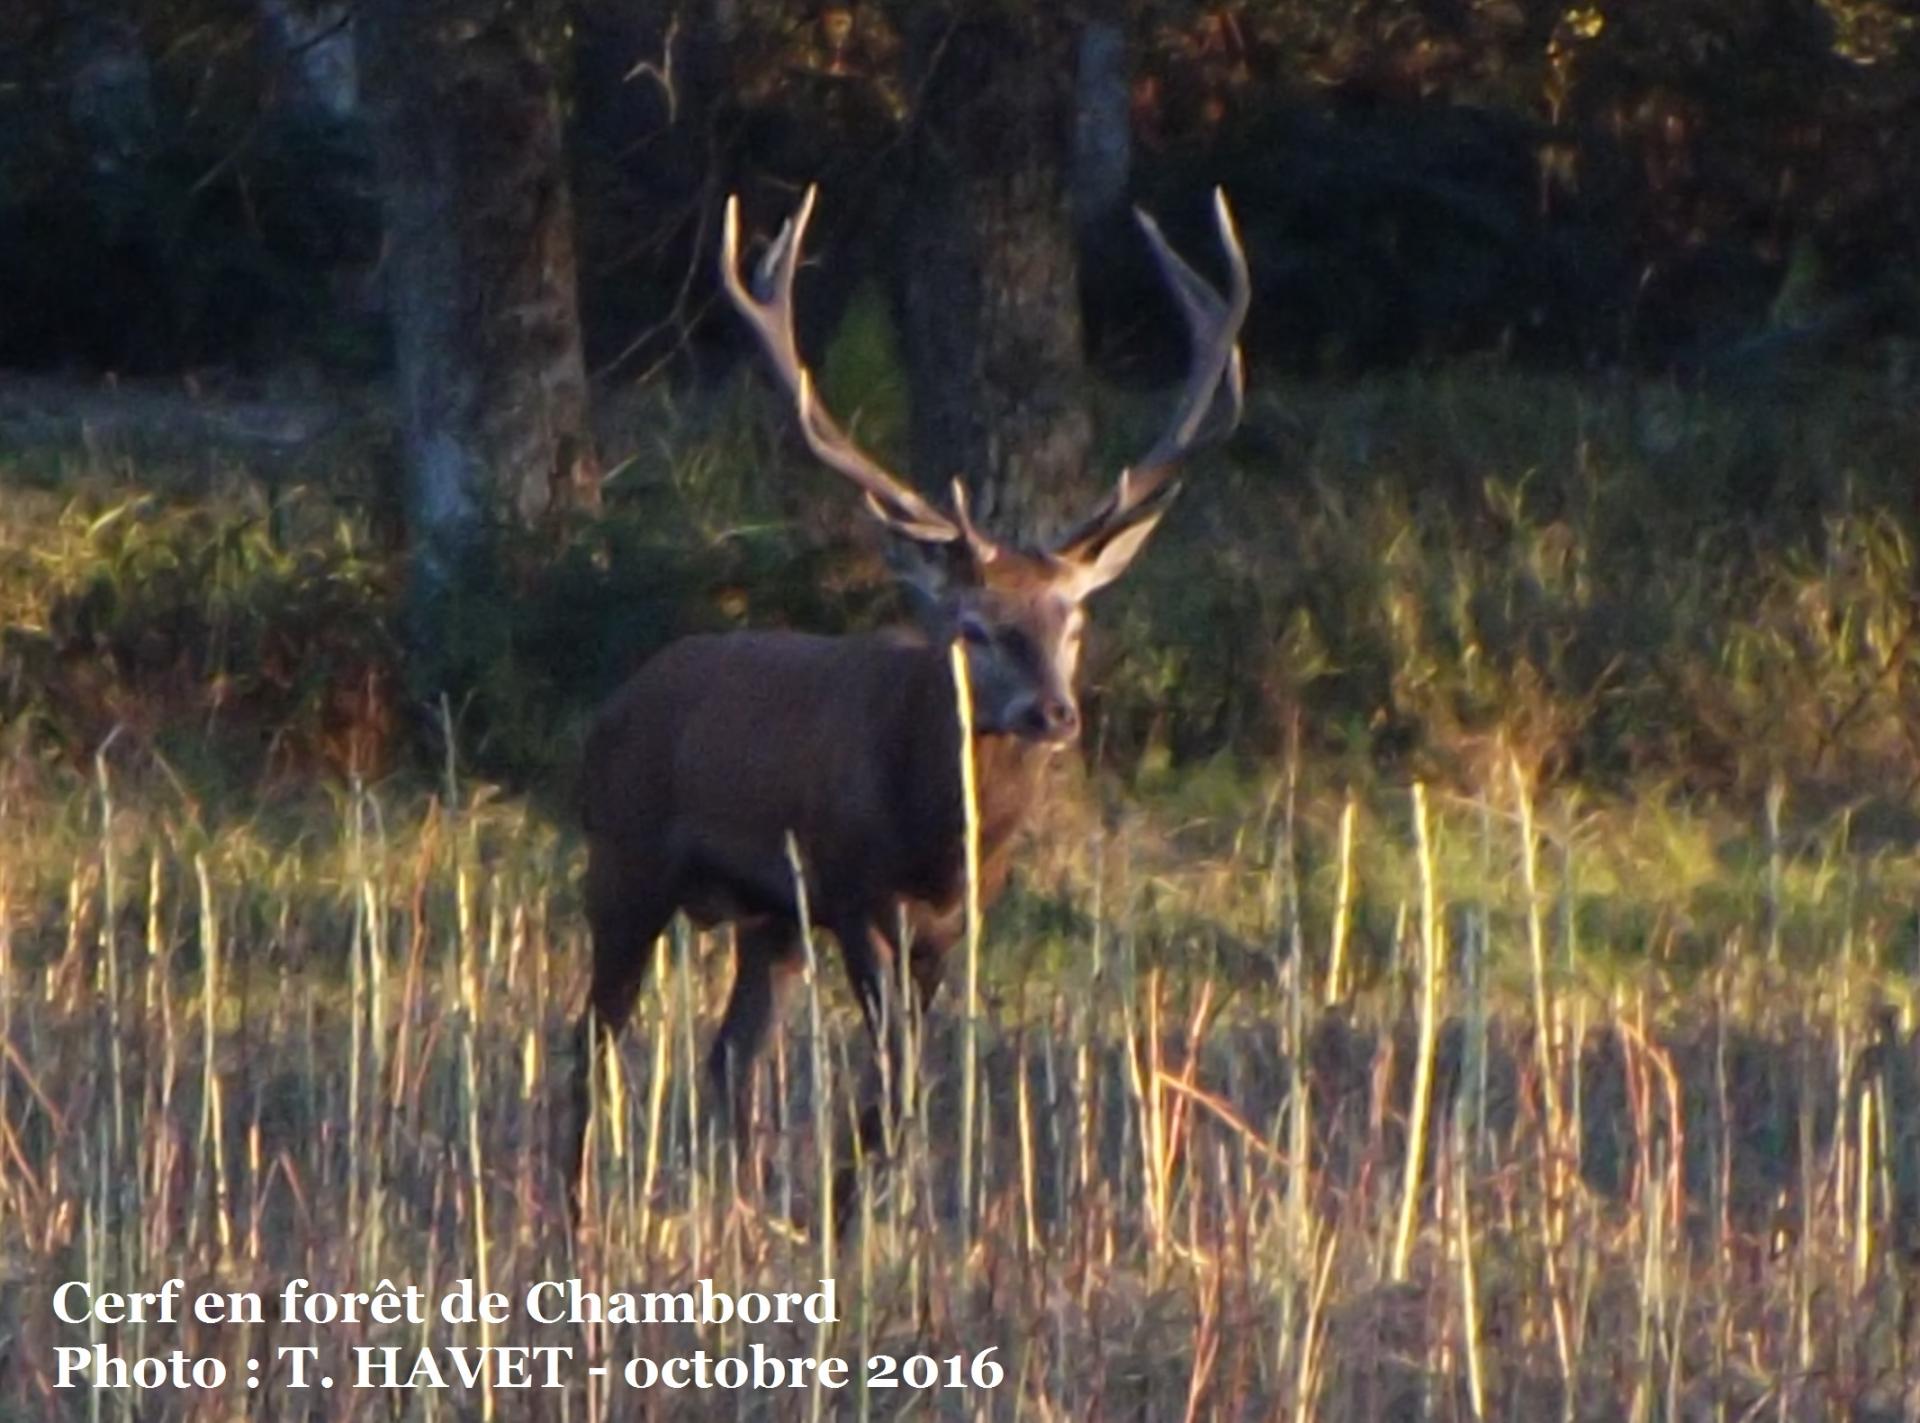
1005, 783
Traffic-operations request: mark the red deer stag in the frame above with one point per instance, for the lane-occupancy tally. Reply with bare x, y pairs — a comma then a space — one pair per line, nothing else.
700, 766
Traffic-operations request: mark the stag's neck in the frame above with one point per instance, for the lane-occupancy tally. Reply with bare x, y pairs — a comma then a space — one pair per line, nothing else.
1007, 774
1007, 771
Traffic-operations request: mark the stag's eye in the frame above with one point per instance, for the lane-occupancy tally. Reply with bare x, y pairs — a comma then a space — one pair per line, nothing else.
975, 631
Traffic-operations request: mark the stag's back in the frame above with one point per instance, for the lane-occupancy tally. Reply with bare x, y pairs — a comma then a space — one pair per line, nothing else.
722, 744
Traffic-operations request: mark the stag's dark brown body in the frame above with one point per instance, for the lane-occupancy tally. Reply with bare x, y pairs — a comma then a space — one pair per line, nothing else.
721, 747
722, 750
717, 750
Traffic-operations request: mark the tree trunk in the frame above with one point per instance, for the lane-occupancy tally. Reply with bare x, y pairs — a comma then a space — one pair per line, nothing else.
110, 92
1102, 122
481, 281
990, 281
311, 45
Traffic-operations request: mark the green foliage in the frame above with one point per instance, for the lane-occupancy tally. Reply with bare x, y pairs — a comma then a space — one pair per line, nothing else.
863, 374
695, 536
1422, 575
1463, 565
247, 630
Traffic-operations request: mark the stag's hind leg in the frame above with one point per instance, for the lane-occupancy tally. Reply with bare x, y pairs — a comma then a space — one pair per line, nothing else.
871, 960
895, 1018
766, 961
868, 946
626, 917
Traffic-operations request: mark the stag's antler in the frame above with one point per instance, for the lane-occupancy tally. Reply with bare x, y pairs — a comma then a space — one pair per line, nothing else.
1147, 486
769, 310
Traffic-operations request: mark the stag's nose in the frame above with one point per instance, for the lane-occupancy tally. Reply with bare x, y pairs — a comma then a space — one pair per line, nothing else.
1054, 719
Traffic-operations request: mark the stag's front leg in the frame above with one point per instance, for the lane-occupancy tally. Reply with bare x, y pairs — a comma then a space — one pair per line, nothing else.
933, 936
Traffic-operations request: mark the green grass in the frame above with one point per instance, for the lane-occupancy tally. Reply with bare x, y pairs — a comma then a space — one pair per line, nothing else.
263, 1019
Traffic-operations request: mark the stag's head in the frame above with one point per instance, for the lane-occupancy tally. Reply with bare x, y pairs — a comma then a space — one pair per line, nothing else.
1016, 610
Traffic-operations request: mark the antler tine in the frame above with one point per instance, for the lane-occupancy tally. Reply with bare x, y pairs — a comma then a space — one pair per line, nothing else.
771, 316
1213, 326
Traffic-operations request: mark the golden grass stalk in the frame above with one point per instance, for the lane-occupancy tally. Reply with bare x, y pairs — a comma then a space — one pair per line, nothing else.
1342, 906
1776, 802
1543, 1024
822, 1108
8, 1157
906, 1080
1149, 1104
110, 947
1863, 1198
1311, 1373
656, 1098
970, 1049
1025, 1127
1651, 1293
1469, 1287
213, 1151
359, 1011
1421, 1108
698, 1162
470, 970
1206, 1338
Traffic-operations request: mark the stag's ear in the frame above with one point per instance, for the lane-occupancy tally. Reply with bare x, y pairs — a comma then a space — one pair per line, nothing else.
929, 570
1103, 556
932, 568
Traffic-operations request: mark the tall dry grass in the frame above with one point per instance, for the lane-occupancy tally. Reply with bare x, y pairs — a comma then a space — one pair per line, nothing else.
1188, 1185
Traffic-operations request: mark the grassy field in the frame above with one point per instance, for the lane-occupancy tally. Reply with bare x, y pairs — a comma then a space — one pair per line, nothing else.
1470, 975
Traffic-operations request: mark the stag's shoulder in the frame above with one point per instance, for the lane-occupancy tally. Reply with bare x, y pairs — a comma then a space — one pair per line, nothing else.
755, 674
